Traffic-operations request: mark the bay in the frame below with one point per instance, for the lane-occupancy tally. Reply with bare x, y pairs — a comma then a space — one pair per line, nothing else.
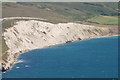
95, 58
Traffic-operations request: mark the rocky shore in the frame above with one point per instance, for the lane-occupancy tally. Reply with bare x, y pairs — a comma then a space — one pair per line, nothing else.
33, 34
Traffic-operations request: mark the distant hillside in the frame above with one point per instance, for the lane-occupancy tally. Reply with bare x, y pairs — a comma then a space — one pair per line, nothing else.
60, 12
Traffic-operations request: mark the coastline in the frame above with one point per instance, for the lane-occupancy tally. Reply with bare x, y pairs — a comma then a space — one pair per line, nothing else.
16, 56
29, 35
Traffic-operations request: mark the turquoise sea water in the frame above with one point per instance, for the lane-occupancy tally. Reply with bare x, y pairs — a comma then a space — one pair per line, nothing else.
95, 58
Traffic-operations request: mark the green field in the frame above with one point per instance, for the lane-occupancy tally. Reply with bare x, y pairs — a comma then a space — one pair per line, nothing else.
104, 20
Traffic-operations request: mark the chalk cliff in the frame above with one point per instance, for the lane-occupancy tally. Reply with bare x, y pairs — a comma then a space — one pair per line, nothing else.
33, 34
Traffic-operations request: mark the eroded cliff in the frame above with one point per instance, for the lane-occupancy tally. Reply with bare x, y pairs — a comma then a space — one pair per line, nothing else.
33, 34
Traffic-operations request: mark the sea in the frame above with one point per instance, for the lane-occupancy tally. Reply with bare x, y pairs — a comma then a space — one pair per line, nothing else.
94, 58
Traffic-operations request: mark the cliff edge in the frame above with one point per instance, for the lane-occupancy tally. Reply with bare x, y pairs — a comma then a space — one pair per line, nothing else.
33, 34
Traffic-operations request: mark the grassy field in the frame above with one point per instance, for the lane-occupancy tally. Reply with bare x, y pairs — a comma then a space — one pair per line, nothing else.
104, 20
60, 12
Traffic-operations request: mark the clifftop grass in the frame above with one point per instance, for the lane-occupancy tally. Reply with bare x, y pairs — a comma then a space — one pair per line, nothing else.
105, 20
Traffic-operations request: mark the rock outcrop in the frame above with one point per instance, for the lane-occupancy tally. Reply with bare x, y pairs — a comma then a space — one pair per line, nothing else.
33, 34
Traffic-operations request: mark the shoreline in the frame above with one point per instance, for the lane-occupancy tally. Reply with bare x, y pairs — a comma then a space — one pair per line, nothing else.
16, 56
29, 35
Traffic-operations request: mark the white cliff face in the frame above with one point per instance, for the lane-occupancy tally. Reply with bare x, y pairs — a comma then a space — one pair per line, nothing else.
36, 34
32, 34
